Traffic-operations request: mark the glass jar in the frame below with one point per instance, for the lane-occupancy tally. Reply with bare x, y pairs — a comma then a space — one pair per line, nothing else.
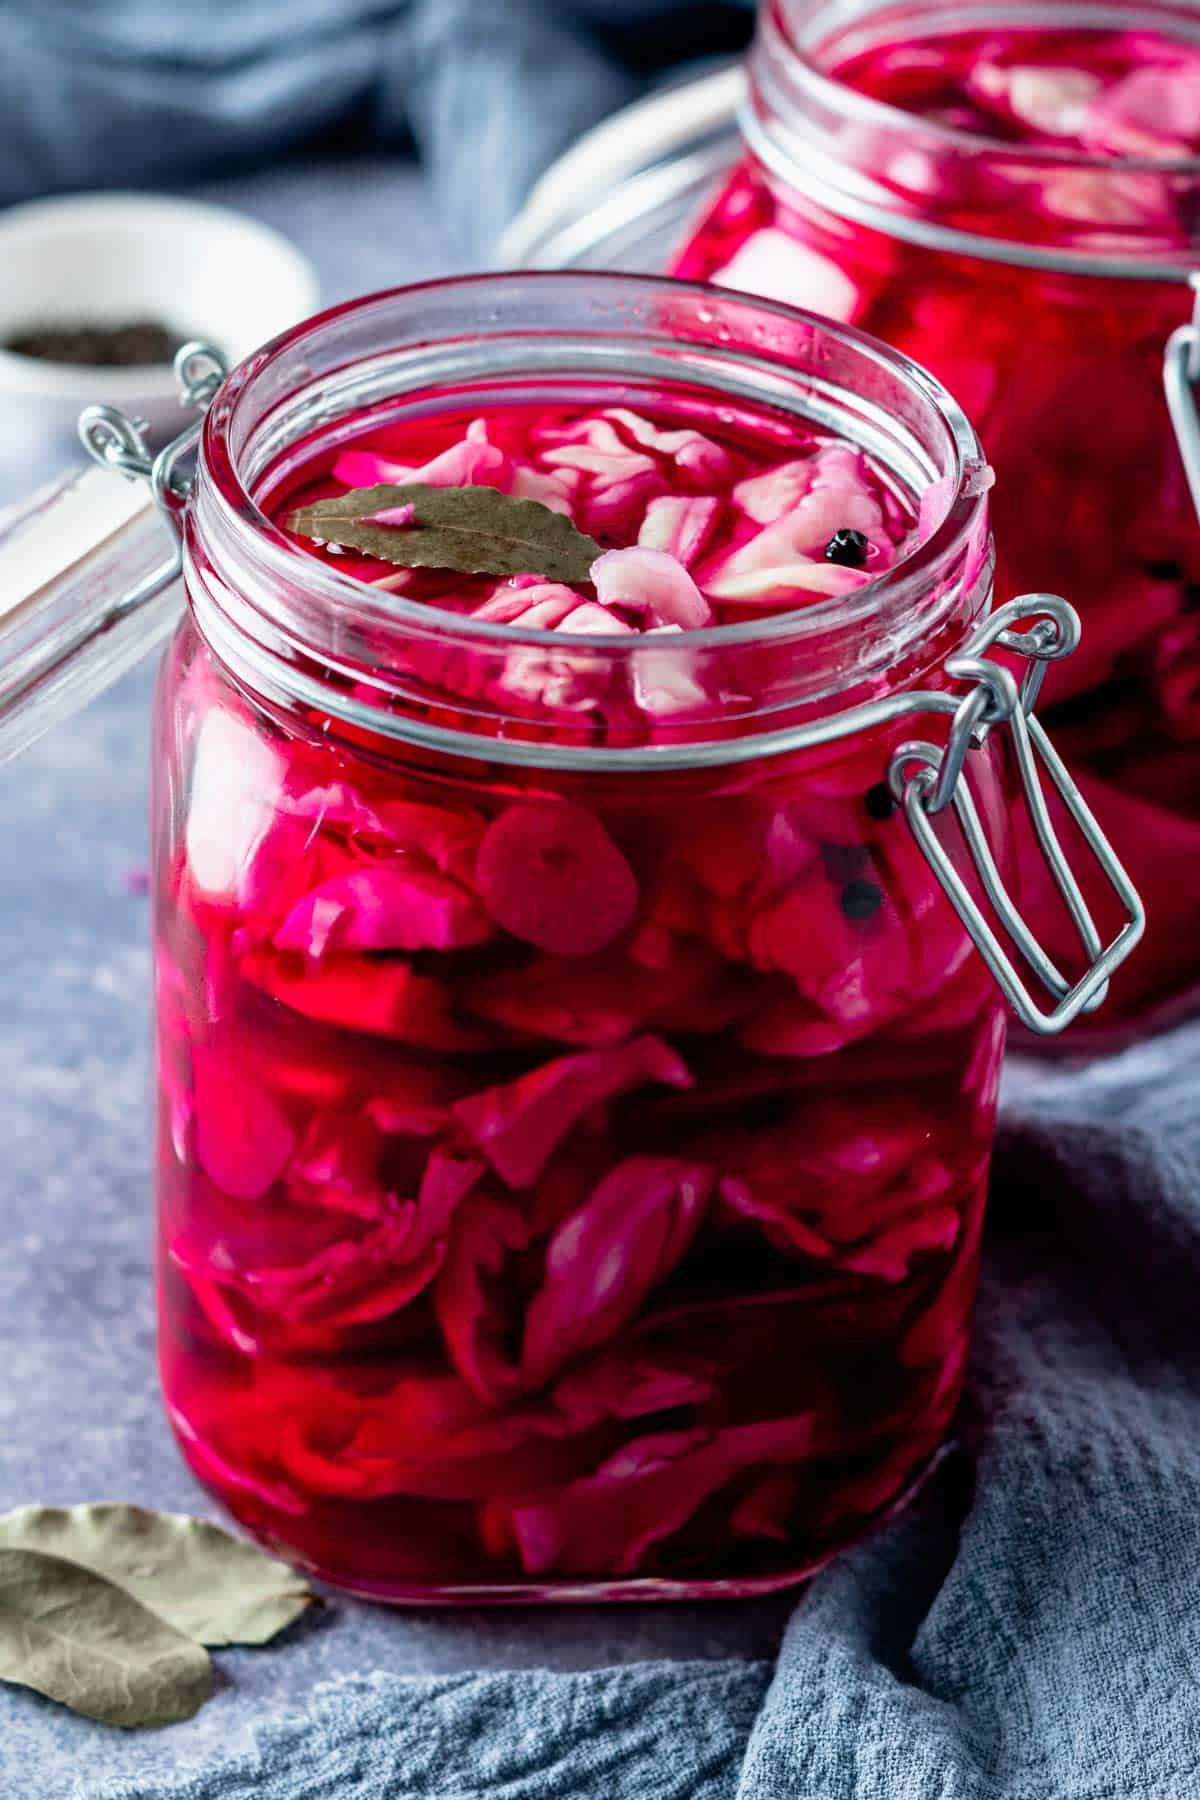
608, 1226
1042, 286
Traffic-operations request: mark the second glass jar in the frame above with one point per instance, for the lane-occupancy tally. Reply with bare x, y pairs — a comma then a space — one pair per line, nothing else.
1041, 282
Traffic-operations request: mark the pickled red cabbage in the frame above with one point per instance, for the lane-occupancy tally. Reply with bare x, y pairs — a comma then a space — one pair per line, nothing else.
568, 1183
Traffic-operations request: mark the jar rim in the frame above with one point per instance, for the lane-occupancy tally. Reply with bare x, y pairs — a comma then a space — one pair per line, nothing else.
220, 476
854, 103
870, 162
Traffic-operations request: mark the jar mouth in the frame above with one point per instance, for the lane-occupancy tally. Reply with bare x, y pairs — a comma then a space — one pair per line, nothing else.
806, 37
867, 161
730, 329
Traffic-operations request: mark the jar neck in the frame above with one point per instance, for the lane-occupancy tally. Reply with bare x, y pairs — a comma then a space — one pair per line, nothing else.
922, 182
304, 637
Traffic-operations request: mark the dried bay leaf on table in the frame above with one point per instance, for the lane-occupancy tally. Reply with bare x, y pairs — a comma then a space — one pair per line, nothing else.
70, 1634
215, 1588
469, 530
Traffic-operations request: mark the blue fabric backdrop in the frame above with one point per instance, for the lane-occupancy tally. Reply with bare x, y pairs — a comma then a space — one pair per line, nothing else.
136, 91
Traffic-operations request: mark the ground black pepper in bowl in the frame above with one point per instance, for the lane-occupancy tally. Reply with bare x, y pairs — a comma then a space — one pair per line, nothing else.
136, 343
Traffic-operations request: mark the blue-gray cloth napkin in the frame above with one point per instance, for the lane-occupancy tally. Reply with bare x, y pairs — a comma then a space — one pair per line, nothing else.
130, 92
1029, 1630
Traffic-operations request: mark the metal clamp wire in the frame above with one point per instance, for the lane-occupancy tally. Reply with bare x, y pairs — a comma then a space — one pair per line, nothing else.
169, 487
972, 714
1181, 372
116, 441
199, 371
1055, 633
1047, 837
918, 814
926, 790
997, 892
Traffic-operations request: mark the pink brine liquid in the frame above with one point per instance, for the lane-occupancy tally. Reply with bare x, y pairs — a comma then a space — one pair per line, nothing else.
568, 1185
1060, 372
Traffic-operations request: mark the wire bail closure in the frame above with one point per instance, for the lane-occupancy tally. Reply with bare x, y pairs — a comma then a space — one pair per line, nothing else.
118, 442
926, 779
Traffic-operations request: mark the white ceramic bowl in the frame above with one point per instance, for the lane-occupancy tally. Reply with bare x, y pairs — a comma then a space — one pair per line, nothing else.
202, 271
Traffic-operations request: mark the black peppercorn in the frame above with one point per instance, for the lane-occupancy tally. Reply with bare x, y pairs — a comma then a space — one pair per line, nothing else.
860, 899
879, 802
848, 548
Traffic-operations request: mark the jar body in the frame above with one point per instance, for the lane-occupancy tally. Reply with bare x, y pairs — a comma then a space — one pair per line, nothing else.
1061, 371
640, 1266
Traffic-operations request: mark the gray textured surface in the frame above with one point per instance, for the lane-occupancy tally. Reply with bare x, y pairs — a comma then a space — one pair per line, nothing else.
79, 1411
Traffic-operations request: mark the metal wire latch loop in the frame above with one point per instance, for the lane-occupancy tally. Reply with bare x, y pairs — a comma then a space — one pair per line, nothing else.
1181, 372
926, 779
115, 441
